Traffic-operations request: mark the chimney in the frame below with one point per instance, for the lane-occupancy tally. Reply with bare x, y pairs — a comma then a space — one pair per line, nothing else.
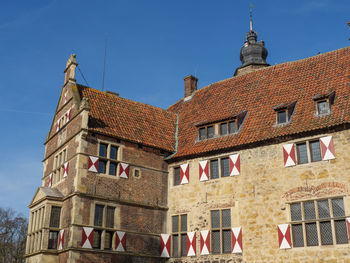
69, 72
190, 85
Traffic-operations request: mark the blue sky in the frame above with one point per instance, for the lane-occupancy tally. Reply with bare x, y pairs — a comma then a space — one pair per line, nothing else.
151, 46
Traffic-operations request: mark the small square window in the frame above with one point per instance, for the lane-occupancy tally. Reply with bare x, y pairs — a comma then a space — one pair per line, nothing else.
322, 107
210, 131
223, 128
202, 134
281, 117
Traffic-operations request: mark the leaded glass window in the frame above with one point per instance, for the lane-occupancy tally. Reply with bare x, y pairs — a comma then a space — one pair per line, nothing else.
214, 169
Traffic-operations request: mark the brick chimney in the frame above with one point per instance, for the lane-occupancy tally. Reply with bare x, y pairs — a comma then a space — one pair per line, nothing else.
190, 85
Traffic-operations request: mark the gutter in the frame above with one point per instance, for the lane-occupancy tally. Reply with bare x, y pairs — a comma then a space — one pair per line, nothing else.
176, 139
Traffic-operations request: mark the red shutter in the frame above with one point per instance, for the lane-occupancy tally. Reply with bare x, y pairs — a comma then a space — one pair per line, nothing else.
124, 170
120, 241
205, 242
60, 239
284, 240
87, 237
50, 179
235, 167
58, 125
327, 148
237, 246
68, 115
65, 169
289, 155
203, 171
165, 245
191, 244
93, 164
184, 173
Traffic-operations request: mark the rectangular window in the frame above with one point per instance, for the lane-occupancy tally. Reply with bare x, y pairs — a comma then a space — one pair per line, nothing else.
221, 231
315, 151
55, 216
225, 167
53, 237
223, 128
313, 223
179, 235
176, 175
232, 126
322, 107
309, 150
103, 150
96, 241
110, 217
98, 215
102, 166
202, 133
112, 168
113, 153
107, 164
108, 240
210, 131
214, 169
282, 117
302, 153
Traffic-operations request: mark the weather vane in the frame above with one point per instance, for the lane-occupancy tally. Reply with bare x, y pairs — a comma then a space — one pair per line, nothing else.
251, 17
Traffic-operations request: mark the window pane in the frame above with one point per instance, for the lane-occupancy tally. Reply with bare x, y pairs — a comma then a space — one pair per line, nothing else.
338, 207
215, 241
226, 240
210, 131
108, 240
112, 168
113, 153
309, 210
311, 234
282, 117
202, 134
183, 223
302, 153
295, 210
225, 167
326, 233
175, 245
226, 218
323, 209
232, 126
96, 241
322, 107
55, 216
184, 245
102, 167
341, 234
177, 176
103, 150
53, 236
215, 219
298, 238
98, 215
110, 217
223, 128
315, 151
214, 169
175, 221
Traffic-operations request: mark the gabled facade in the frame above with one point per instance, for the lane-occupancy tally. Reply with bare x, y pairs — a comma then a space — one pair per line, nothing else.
253, 168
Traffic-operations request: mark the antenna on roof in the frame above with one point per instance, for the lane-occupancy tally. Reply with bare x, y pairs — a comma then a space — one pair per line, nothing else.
104, 66
251, 17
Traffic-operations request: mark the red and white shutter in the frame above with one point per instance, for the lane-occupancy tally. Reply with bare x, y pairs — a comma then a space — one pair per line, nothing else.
93, 164
165, 245
124, 170
284, 240
184, 173
68, 115
289, 155
203, 171
237, 246
235, 167
65, 169
205, 242
348, 226
60, 239
58, 125
327, 148
50, 179
191, 244
87, 237
120, 241
65, 97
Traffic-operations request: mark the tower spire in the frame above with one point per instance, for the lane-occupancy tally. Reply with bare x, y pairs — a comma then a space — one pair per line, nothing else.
251, 17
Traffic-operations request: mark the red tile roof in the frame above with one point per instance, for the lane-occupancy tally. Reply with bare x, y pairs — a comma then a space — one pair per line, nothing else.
126, 119
258, 93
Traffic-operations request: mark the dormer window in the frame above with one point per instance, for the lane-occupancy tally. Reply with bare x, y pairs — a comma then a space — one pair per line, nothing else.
228, 127
324, 103
206, 132
284, 112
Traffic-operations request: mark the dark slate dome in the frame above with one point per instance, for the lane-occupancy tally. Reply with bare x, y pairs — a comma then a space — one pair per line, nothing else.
253, 52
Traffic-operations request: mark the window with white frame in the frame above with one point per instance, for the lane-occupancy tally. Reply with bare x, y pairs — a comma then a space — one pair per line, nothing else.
108, 156
318, 222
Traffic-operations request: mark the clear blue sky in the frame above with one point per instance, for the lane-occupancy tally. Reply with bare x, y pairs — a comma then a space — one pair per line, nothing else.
152, 45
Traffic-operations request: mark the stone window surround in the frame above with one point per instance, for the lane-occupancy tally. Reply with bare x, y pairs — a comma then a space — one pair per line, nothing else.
309, 157
179, 234
317, 220
107, 159
57, 171
220, 229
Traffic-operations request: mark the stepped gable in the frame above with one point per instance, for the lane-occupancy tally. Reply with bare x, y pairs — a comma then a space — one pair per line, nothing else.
258, 93
126, 119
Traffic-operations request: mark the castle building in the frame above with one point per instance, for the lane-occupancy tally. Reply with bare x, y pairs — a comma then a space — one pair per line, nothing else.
253, 168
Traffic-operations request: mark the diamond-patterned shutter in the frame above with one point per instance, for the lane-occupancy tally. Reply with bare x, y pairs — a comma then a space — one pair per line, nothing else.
58, 125
50, 179
237, 246
289, 155
120, 241
93, 164
205, 242
327, 148
165, 245
65, 169
124, 170
191, 244
87, 237
203, 171
235, 164
184, 173
68, 115
284, 236
60, 239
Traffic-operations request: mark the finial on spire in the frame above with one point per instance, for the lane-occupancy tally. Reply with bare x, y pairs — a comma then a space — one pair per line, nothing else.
251, 16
